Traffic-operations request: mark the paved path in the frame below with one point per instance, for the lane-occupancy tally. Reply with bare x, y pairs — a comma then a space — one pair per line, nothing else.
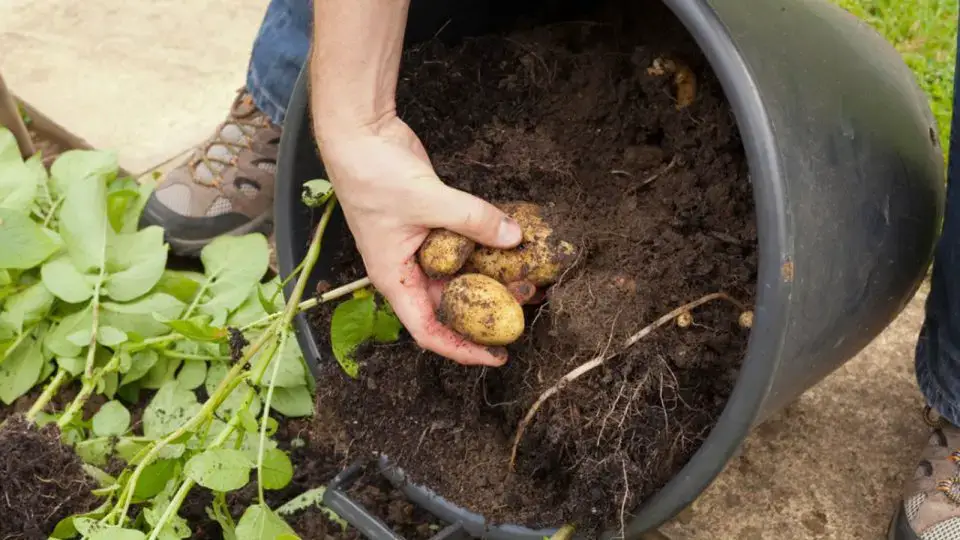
150, 79
145, 78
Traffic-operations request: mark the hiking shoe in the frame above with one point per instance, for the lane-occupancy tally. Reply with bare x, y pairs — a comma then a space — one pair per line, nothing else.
225, 187
931, 500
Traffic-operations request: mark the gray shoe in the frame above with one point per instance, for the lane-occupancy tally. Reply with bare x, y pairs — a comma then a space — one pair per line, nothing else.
225, 187
931, 503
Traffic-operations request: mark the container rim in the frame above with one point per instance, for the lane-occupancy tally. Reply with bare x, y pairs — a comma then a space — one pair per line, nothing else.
775, 246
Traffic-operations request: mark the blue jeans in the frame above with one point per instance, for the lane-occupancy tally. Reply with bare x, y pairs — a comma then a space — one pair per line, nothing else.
281, 50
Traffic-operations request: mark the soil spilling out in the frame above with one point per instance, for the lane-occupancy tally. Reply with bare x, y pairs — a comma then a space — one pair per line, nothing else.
42, 481
582, 118
318, 455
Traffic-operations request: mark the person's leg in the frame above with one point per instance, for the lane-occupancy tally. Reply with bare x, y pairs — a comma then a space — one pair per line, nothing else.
931, 501
227, 185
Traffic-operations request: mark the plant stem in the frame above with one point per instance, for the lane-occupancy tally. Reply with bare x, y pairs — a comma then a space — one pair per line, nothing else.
53, 209
186, 356
266, 415
16, 343
95, 325
188, 484
311, 303
89, 384
48, 393
232, 378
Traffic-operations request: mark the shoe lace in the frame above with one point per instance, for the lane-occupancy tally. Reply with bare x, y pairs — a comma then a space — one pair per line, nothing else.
951, 486
234, 147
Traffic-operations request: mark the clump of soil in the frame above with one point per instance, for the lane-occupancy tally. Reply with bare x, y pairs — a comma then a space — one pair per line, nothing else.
571, 116
42, 481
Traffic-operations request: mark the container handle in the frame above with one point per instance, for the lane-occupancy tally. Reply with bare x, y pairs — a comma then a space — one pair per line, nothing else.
335, 498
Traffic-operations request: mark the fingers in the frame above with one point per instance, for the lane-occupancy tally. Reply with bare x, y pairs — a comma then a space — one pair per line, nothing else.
410, 297
472, 217
523, 291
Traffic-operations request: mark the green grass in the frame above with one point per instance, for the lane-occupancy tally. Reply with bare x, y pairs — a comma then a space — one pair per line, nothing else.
925, 33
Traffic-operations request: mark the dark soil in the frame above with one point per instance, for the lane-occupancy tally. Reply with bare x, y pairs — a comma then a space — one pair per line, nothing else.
42, 481
318, 455
573, 116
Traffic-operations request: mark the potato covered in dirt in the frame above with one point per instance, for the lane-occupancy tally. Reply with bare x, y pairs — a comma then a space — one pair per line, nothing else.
443, 253
540, 258
482, 310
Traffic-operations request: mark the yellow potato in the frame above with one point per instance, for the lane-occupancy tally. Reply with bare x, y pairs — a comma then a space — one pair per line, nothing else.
482, 310
443, 253
539, 259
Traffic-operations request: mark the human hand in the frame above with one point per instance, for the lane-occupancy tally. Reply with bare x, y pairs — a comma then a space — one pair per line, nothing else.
391, 198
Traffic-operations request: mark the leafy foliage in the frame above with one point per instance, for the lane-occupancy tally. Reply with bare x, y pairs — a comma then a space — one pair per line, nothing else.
86, 297
357, 321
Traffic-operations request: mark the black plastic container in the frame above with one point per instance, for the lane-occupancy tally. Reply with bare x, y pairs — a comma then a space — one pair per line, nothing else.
848, 182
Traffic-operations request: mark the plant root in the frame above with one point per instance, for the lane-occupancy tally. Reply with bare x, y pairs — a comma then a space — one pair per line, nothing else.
599, 360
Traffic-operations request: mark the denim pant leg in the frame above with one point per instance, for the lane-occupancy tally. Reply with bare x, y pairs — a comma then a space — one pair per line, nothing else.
279, 52
938, 348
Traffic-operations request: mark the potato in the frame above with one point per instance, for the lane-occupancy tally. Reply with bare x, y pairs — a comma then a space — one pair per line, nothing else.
443, 253
540, 258
482, 310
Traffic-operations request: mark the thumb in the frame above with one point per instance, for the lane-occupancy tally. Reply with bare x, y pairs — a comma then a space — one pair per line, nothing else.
474, 218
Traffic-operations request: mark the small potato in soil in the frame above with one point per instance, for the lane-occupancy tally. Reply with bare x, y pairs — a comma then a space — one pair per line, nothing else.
481, 309
443, 253
540, 259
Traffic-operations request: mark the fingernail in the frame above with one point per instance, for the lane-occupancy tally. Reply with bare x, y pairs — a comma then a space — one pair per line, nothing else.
500, 353
509, 233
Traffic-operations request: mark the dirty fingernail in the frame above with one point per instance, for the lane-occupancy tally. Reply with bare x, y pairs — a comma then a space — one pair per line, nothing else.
509, 233
499, 353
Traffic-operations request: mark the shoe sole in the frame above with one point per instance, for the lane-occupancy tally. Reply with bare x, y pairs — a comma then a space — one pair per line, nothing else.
899, 528
191, 247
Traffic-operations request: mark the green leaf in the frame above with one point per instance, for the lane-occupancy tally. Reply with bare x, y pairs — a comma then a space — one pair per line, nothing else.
140, 364
122, 193
154, 477
20, 370
269, 307
140, 316
233, 266
117, 533
386, 325
169, 409
46, 371
352, 325
291, 371
57, 340
277, 469
75, 166
316, 192
196, 329
94, 451
28, 306
292, 402
19, 181
311, 498
112, 419
164, 371
135, 262
83, 223
108, 336
9, 150
259, 522
23, 244
215, 373
221, 469
72, 365
62, 278
192, 374
182, 285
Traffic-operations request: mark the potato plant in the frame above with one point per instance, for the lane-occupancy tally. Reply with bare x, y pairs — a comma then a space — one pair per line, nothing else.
87, 300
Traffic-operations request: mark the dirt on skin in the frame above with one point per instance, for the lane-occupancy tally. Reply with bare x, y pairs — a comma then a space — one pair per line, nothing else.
42, 481
582, 118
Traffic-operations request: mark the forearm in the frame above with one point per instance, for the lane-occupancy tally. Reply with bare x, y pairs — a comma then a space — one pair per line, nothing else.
354, 62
